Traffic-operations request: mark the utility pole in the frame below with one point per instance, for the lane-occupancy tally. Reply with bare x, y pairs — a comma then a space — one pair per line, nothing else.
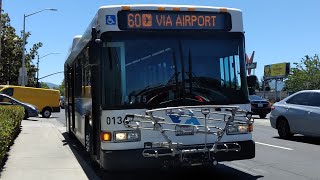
23, 52
23, 68
38, 65
37, 85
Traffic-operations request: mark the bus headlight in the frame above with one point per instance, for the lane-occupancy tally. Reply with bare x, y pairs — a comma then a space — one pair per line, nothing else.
126, 136
238, 129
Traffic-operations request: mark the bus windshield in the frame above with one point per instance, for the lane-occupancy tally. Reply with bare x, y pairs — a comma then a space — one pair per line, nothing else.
159, 69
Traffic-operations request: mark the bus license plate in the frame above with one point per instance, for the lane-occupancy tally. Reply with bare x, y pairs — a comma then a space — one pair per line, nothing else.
184, 130
260, 105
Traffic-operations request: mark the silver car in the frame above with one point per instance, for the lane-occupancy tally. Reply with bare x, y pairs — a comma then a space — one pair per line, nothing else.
299, 113
29, 109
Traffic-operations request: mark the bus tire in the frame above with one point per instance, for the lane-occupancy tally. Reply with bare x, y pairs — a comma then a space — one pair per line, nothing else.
88, 136
87, 141
46, 112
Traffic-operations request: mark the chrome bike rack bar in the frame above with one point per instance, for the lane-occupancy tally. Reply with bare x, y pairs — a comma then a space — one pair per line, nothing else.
228, 114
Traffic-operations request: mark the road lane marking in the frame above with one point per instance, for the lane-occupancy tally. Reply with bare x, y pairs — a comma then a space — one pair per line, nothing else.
274, 146
242, 169
253, 169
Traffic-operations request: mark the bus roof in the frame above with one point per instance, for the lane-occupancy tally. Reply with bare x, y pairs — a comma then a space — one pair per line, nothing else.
99, 21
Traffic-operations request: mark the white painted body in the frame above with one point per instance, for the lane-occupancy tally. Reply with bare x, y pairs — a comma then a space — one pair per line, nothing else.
155, 136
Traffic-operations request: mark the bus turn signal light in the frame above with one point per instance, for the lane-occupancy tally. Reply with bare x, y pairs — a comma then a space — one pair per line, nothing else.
250, 129
105, 136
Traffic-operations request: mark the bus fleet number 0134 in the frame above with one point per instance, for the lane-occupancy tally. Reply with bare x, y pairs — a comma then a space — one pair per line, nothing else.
115, 120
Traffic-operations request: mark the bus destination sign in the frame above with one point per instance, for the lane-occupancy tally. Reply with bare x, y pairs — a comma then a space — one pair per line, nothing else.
173, 20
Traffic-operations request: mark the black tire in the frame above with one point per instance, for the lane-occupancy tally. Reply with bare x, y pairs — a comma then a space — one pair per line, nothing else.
88, 136
46, 112
26, 115
87, 142
262, 116
284, 129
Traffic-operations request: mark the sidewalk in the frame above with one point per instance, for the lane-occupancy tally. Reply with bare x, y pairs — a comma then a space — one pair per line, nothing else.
40, 152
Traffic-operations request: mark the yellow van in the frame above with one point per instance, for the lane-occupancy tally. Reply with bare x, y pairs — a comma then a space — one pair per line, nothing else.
47, 100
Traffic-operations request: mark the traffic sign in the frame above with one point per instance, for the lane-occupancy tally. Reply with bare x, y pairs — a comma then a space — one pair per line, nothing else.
252, 65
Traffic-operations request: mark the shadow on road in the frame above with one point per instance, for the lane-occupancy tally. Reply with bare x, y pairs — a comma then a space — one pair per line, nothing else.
258, 117
91, 170
81, 156
303, 139
220, 171
29, 119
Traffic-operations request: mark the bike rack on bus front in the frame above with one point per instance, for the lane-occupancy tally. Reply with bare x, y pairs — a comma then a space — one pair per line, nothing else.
230, 115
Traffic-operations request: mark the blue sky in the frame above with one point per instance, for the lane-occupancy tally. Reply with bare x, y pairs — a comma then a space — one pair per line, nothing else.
278, 31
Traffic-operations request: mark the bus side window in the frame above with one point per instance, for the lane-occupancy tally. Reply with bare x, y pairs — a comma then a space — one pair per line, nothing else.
8, 91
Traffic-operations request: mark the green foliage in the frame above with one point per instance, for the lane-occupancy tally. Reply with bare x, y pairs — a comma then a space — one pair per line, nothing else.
60, 88
10, 120
44, 85
11, 54
306, 75
264, 83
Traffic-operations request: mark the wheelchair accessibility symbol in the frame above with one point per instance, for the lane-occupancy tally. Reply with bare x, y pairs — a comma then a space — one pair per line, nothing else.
111, 20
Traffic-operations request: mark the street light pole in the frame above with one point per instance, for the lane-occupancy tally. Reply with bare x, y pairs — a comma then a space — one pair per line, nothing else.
38, 64
38, 71
22, 76
23, 69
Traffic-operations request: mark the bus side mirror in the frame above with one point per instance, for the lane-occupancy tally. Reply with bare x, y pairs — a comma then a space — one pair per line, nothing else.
252, 80
93, 49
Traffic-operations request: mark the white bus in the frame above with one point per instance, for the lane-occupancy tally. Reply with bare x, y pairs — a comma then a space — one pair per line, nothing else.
159, 86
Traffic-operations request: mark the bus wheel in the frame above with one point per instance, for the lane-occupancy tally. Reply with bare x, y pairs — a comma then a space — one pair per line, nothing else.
88, 135
87, 141
46, 113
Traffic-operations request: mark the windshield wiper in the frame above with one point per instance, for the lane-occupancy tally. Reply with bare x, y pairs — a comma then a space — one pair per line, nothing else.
190, 71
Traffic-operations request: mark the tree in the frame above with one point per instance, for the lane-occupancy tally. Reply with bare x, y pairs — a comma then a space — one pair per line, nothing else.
266, 83
11, 54
257, 86
44, 85
306, 75
61, 88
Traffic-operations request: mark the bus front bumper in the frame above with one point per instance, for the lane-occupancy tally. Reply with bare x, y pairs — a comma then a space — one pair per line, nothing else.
122, 160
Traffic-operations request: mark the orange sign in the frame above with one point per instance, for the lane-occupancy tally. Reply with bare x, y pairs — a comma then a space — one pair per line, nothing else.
174, 20
146, 20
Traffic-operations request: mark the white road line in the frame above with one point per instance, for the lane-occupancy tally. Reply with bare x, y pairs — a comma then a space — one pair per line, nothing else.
274, 146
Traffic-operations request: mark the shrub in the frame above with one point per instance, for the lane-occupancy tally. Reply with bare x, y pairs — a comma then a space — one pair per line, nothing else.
10, 120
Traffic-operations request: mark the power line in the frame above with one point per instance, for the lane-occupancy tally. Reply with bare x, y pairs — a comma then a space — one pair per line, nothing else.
51, 74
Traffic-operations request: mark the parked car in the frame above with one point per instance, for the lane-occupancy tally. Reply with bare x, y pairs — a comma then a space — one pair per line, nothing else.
62, 102
30, 110
299, 113
259, 106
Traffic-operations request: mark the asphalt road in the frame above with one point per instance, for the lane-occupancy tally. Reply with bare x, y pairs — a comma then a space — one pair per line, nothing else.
60, 116
297, 158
